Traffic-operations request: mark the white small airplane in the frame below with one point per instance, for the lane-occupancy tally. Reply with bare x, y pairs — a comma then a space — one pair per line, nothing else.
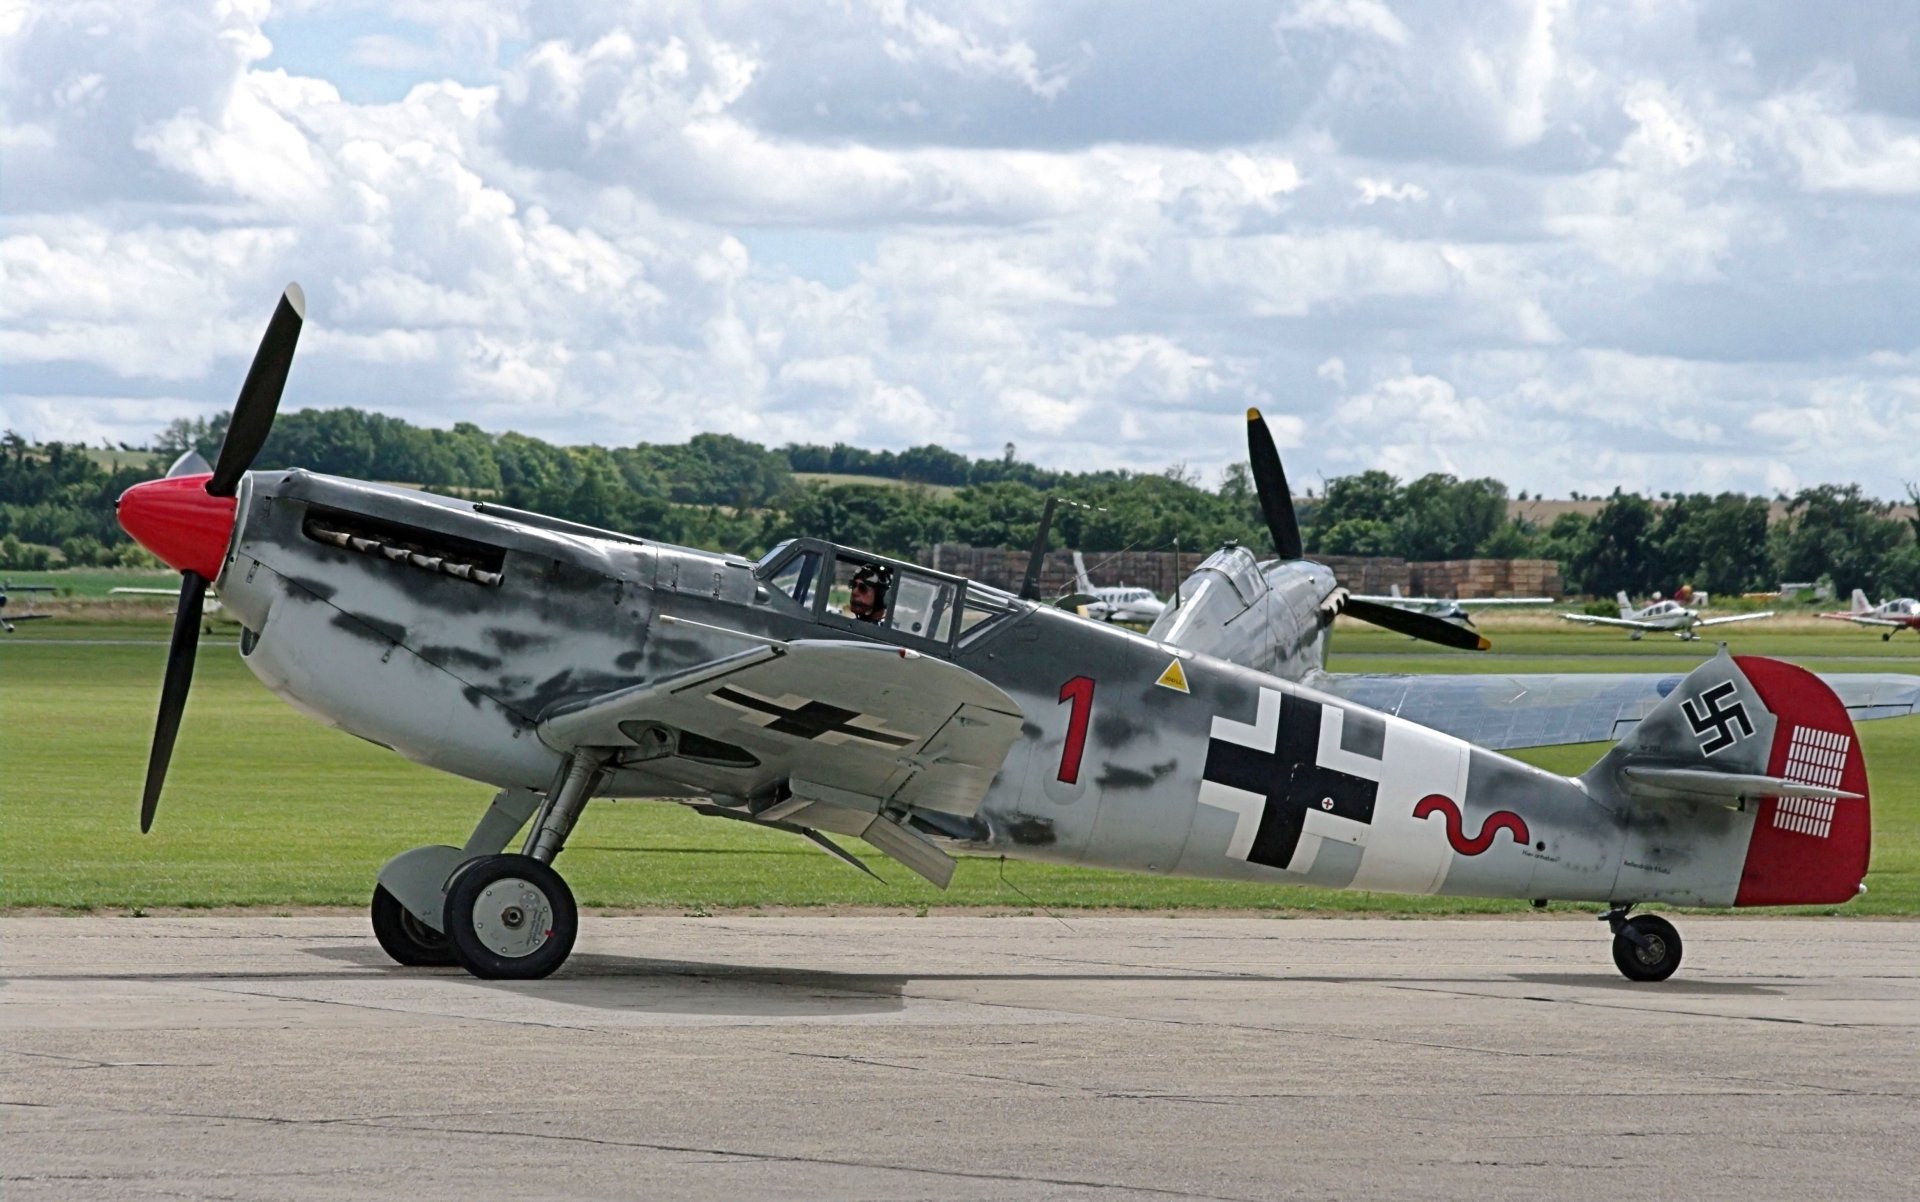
1901, 613
1661, 615
1116, 603
1453, 609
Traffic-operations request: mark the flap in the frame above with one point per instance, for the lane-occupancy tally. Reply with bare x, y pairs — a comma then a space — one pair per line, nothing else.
890, 725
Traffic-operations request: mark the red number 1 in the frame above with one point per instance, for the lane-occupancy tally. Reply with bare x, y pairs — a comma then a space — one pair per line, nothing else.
1079, 690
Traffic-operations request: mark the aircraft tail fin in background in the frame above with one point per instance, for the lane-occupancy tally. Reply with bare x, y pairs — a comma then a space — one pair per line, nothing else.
1626, 603
1860, 603
1080, 582
1772, 742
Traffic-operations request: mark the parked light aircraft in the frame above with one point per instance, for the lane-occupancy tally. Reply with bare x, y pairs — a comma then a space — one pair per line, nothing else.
6, 619
1668, 615
1901, 613
1115, 603
561, 663
1453, 609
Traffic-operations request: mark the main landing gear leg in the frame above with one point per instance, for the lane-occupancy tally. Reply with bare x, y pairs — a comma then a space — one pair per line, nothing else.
1646, 948
512, 917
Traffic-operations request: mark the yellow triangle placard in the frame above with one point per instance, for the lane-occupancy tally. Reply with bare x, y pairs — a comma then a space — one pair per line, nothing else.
1175, 678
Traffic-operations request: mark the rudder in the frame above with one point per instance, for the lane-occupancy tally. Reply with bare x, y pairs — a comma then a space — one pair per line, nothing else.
1806, 850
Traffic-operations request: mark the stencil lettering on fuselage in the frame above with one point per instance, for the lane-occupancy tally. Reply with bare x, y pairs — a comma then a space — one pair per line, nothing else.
1303, 774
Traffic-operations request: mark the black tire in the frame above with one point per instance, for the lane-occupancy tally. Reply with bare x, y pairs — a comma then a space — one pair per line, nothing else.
1657, 960
510, 918
404, 937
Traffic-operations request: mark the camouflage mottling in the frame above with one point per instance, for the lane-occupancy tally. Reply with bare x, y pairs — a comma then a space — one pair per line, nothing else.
501, 682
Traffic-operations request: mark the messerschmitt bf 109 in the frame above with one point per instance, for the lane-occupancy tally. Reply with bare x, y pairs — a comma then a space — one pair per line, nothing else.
1276, 616
1901, 613
1668, 615
931, 716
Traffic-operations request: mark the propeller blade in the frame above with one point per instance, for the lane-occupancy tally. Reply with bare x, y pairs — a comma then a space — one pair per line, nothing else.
1420, 626
1270, 481
260, 396
173, 690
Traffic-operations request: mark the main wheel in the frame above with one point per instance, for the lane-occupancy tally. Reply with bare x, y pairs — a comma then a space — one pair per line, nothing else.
1656, 954
510, 918
404, 937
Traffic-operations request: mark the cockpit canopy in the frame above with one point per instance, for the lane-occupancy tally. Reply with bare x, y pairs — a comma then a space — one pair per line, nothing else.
914, 606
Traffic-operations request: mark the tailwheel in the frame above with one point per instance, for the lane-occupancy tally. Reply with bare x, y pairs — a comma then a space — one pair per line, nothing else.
404, 937
1646, 948
510, 918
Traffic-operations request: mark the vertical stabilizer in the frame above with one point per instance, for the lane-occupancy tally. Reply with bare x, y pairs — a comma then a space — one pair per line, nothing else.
1860, 603
1626, 603
1081, 583
1748, 773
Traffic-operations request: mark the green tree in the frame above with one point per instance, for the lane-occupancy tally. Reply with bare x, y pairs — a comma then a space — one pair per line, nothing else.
1372, 496
1836, 532
1613, 555
1444, 518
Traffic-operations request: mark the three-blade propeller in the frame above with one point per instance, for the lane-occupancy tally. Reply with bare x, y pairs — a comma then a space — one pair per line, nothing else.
1276, 505
247, 432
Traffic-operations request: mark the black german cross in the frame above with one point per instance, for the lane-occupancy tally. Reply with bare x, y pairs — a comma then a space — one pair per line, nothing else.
811, 720
1291, 781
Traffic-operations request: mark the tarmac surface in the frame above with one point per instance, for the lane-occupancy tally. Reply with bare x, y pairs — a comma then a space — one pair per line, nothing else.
962, 1058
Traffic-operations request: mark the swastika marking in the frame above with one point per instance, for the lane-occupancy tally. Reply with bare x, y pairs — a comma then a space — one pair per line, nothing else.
1704, 715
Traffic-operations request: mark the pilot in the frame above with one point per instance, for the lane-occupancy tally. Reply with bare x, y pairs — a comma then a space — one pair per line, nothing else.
869, 587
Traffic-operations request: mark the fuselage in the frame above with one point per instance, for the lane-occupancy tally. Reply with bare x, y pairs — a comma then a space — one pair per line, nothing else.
445, 629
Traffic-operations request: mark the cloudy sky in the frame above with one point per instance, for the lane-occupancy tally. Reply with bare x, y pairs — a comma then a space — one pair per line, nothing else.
1662, 244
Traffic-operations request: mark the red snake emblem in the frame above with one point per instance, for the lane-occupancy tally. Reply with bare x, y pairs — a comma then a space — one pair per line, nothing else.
1499, 820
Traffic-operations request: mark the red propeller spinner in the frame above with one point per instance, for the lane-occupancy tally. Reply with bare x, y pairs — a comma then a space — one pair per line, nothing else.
178, 520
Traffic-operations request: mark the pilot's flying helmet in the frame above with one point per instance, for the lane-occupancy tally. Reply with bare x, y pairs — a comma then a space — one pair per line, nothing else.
878, 575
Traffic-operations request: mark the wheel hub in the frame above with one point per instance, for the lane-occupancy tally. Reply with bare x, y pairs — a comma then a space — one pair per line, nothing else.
513, 917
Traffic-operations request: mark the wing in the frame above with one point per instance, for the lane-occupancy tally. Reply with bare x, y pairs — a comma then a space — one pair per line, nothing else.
1591, 620
1733, 618
848, 737
1394, 600
1507, 711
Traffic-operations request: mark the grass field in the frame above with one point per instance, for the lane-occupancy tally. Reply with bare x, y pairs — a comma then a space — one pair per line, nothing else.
265, 808
86, 582
830, 478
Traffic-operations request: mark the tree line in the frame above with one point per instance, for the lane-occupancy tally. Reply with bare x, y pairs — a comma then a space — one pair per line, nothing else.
726, 493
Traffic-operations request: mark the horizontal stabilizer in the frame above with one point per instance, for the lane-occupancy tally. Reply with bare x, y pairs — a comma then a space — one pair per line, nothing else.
1704, 783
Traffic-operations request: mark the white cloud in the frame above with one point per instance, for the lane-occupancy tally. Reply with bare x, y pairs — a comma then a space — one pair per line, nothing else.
1369, 17
1572, 246
1840, 151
